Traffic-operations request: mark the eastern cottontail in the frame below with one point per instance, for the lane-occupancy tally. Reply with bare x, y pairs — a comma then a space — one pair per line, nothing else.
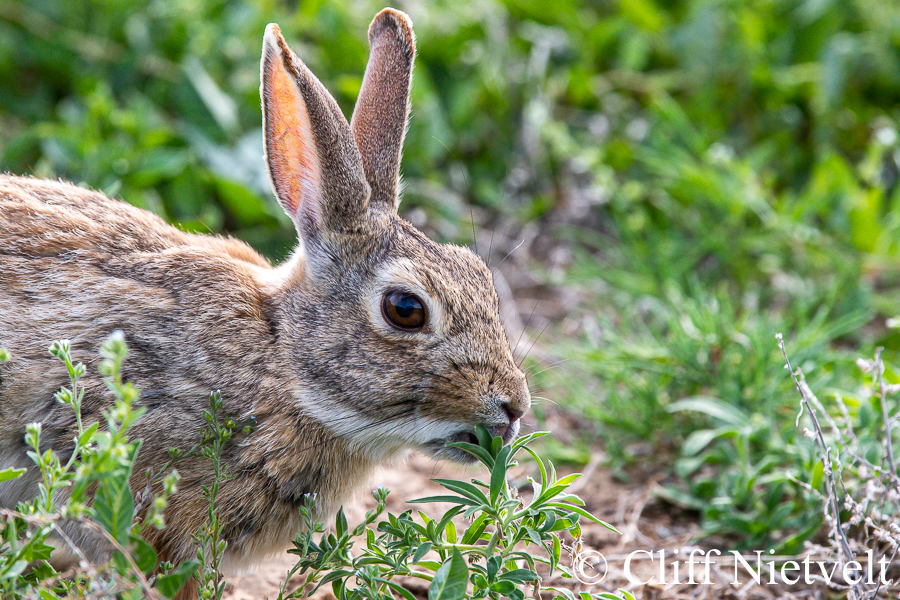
369, 341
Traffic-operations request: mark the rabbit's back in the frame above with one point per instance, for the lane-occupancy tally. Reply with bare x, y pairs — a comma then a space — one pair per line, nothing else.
42, 218
77, 265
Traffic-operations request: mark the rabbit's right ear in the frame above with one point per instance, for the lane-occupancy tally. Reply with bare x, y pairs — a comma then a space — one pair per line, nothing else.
313, 161
382, 109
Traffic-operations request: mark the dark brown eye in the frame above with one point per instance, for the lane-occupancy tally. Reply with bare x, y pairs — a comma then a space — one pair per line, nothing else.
403, 311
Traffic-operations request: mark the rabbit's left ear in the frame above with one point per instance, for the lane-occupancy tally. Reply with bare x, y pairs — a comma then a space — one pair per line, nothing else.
380, 117
314, 164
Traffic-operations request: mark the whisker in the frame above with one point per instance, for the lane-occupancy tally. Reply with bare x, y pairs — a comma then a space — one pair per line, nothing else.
490, 247
494, 229
547, 368
510, 253
466, 180
531, 347
436, 468
543, 399
433, 374
525, 327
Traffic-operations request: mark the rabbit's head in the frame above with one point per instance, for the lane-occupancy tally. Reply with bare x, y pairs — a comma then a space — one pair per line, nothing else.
397, 339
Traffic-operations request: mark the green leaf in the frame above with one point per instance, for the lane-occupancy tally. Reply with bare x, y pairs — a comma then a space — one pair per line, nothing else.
466, 489
519, 575
451, 579
114, 507
87, 434
540, 465
14, 570
555, 554
493, 565
450, 532
555, 489
498, 474
240, 201
445, 520
549, 521
169, 584
11, 473
485, 440
421, 551
503, 587
526, 439
585, 514
713, 407
482, 454
453, 499
143, 554
607, 596
475, 529
340, 522
817, 475
564, 594
333, 575
700, 439
397, 588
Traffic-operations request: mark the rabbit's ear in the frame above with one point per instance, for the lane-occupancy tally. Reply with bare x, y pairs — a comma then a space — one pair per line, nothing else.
379, 120
313, 162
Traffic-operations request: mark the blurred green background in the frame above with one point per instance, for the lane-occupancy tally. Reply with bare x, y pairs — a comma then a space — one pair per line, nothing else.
711, 172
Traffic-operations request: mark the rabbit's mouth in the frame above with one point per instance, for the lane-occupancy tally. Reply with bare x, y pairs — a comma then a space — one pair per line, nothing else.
439, 449
464, 436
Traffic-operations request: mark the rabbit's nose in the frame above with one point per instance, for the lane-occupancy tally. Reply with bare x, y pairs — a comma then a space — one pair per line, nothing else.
514, 412
514, 415
518, 403
511, 429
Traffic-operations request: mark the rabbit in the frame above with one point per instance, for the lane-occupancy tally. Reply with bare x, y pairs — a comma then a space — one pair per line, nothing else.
369, 342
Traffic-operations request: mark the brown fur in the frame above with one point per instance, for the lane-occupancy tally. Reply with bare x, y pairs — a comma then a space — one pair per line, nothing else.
302, 348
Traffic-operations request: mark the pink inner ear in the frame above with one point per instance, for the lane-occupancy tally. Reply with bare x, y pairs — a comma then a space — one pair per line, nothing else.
290, 149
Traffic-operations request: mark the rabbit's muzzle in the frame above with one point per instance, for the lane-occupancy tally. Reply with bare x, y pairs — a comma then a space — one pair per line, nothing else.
501, 414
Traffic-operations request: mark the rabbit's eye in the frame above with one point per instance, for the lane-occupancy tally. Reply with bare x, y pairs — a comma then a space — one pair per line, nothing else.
403, 311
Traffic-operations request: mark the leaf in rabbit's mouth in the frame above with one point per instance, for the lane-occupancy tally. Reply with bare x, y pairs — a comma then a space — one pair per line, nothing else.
438, 447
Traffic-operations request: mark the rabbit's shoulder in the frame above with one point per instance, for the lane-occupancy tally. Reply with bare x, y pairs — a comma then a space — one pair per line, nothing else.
45, 218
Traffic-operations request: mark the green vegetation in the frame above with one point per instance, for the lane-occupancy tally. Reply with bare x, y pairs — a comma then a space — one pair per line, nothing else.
490, 559
721, 171
99, 500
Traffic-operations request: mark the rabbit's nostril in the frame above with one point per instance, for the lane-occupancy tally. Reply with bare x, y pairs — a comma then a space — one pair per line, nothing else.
514, 413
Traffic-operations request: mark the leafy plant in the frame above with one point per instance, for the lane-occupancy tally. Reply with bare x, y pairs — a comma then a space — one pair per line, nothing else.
210, 545
490, 558
90, 490
857, 480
